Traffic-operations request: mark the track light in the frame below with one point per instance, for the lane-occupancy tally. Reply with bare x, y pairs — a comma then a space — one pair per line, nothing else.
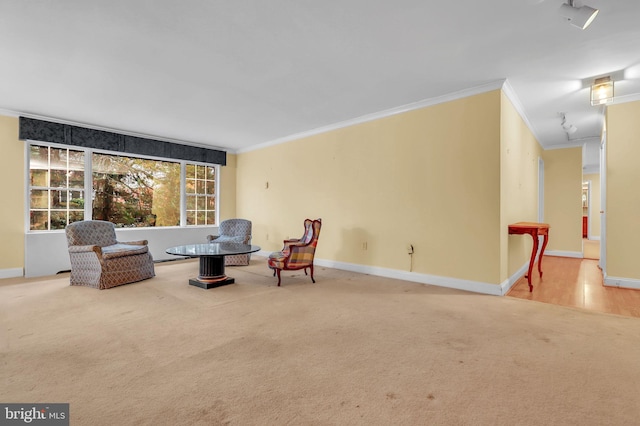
568, 128
579, 17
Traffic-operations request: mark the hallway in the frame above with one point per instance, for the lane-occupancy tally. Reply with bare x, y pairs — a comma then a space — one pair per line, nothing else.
577, 283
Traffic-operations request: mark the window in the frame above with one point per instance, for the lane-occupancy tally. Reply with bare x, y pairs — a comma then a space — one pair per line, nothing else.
127, 191
135, 192
201, 195
56, 190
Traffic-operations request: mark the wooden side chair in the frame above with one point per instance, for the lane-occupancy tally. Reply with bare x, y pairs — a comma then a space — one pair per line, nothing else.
297, 253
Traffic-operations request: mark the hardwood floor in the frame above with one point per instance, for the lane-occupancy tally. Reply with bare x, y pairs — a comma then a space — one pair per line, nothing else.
577, 283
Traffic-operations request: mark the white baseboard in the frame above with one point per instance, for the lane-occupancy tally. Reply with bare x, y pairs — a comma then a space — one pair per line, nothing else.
11, 273
509, 282
561, 253
621, 282
459, 284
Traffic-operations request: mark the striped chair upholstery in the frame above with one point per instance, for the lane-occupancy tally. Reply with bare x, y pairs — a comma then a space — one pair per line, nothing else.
297, 253
100, 261
234, 231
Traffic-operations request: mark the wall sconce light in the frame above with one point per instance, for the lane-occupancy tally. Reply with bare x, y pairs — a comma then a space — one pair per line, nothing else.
579, 17
602, 91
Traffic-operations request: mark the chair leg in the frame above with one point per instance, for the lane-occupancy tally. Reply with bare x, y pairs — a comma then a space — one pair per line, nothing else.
278, 271
311, 267
305, 271
274, 272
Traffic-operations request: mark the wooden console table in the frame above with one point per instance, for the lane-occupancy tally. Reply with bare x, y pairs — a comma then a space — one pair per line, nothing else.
534, 229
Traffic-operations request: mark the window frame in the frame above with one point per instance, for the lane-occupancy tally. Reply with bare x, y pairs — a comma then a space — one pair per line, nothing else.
88, 184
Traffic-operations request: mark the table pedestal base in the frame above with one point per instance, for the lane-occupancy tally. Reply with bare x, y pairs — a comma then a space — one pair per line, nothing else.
211, 273
211, 284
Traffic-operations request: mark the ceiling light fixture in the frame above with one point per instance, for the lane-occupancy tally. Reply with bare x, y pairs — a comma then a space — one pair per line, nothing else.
602, 91
579, 17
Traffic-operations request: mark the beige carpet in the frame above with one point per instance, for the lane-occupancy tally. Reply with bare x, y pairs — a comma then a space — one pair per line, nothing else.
351, 349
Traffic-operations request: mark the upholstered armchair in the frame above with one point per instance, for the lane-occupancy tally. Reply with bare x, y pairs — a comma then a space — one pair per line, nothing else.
234, 231
297, 253
100, 261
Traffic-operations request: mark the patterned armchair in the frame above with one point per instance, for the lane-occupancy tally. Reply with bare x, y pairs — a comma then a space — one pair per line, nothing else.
297, 253
234, 231
98, 260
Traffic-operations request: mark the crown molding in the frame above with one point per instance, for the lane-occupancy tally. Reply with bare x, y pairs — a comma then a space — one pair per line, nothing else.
507, 89
487, 87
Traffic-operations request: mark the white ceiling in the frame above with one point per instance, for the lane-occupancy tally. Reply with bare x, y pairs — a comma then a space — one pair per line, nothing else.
235, 74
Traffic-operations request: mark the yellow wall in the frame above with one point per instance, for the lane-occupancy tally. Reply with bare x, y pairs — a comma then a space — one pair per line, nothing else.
594, 204
623, 197
519, 152
563, 199
227, 196
12, 207
428, 177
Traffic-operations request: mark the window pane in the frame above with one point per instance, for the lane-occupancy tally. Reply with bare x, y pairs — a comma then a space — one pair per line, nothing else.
211, 203
211, 173
191, 186
191, 218
39, 220
39, 157
58, 158
211, 218
201, 172
75, 216
201, 218
58, 199
191, 171
135, 192
39, 177
210, 188
200, 187
191, 202
76, 200
76, 179
58, 179
201, 203
39, 199
58, 219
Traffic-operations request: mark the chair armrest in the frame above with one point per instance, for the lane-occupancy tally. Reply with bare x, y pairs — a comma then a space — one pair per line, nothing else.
86, 249
134, 243
212, 237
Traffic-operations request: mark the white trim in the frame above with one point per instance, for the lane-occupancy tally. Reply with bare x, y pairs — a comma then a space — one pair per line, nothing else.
440, 281
621, 282
11, 273
573, 143
493, 85
560, 253
509, 282
591, 169
515, 101
594, 238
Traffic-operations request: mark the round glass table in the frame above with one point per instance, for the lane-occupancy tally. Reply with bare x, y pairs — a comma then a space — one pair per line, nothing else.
211, 256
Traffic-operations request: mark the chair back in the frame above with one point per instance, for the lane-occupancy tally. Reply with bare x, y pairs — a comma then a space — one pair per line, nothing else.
236, 228
311, 232
91, 232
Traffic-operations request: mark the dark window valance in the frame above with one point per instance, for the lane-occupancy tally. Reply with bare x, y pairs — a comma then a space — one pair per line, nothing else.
46, 131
